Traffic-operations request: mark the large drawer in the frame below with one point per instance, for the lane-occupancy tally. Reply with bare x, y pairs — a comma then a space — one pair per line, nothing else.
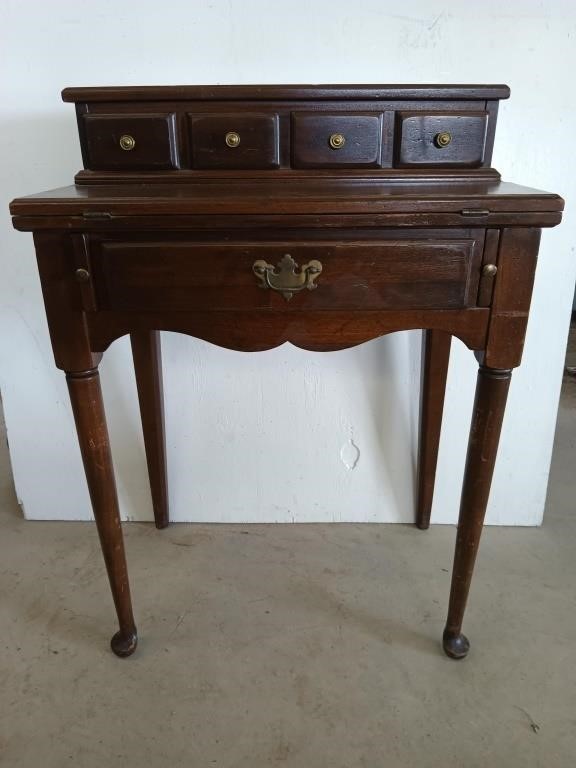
385, 274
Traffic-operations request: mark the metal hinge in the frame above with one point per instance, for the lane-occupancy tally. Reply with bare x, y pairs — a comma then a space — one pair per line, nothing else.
475, 212
96, 215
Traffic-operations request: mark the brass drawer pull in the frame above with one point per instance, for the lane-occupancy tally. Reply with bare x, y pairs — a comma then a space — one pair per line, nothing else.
127, 142
442, 139
284, 277
489, 270
232, 139
337, 141
82, 275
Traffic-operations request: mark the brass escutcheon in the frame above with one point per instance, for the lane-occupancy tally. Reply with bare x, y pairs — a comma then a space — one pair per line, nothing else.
284, 277
443, 139
127, 142
232, 139
337, 141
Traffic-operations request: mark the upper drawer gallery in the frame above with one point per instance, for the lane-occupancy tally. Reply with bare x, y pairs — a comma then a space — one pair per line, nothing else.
130, 142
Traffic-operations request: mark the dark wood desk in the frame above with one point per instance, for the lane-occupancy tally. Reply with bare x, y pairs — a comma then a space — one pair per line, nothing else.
324, 216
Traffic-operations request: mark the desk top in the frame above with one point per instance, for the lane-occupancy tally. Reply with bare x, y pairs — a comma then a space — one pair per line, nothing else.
466, 203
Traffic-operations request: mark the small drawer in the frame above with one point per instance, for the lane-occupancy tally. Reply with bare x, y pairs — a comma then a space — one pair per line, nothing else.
177, 276
321, 140
437, 139
130, 142
224, 141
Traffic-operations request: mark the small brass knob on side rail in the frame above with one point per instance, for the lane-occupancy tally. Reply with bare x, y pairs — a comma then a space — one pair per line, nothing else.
442, 139
489, 270
337, 141
82, 275
127, 142
232, 139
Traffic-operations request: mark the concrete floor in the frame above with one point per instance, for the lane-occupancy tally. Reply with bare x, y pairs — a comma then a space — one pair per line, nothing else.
311, 646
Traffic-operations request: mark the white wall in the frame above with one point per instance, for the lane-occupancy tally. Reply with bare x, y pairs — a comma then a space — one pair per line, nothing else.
266, 437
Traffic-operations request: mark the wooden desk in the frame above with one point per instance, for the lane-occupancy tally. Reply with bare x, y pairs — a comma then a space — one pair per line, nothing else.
324, 216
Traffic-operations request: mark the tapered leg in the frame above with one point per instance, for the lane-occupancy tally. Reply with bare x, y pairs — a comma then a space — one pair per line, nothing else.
490, 402
435, 359
148, 367
86, 397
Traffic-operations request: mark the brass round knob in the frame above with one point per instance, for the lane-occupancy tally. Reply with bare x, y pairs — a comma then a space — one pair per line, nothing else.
82, 275
127, 142
442, 139
337, 141
232, 139
489, 270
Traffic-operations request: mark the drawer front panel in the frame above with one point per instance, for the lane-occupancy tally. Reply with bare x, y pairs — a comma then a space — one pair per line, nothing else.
234, 141
321, 140
447, 140
131, 142
180, 276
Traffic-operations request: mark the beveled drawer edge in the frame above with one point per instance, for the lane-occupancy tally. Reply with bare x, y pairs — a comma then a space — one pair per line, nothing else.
401, 116
171, 121
191, 117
